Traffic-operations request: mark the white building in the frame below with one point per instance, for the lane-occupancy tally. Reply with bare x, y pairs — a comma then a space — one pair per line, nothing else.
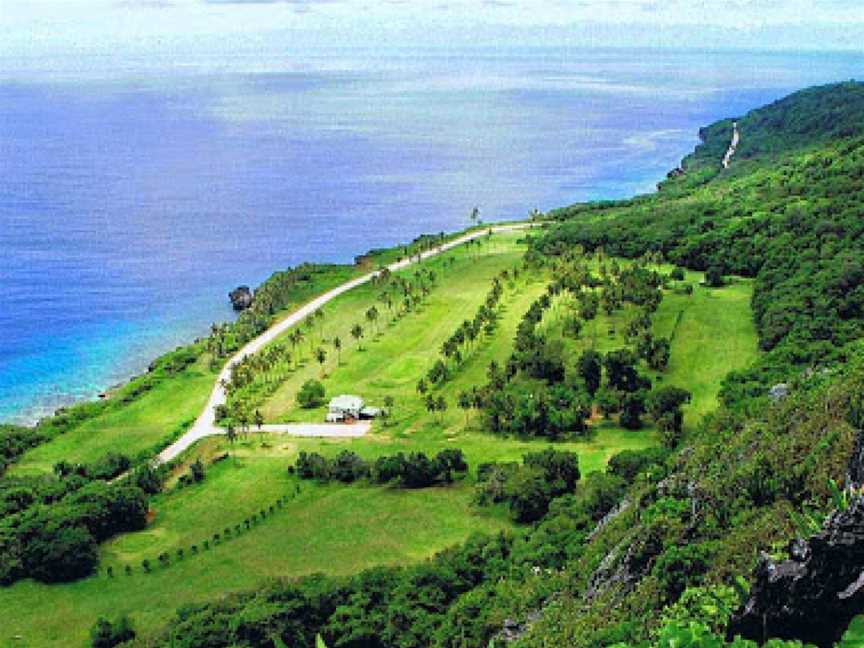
349, 408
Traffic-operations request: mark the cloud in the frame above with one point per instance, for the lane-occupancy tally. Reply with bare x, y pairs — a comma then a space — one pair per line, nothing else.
57, 27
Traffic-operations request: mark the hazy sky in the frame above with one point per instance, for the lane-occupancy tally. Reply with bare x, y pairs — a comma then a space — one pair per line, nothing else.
39, 27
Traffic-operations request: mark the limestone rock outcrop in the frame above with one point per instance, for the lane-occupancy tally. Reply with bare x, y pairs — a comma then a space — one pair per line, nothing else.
241, 298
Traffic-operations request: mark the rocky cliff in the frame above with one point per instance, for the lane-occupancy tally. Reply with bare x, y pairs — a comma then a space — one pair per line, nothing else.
814, 595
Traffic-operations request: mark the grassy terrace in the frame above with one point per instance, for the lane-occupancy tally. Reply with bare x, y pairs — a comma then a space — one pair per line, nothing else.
174, 403
339, 529
329, 529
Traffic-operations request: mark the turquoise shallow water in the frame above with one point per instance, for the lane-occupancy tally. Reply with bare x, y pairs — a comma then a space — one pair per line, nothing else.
135, 193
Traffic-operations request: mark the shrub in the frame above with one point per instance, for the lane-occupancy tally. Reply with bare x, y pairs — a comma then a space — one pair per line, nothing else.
58, 549
105, 634
348, 467
311, 394
312, 466
630, 463
714, 277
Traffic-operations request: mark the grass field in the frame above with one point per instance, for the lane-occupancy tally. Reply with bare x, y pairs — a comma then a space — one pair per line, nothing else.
712, 334
131, 429
711, 330
326, 529
391, 361
333, 529
343, 529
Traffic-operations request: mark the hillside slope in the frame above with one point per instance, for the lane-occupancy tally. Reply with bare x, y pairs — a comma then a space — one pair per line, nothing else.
659, 550
762, 470
679, 544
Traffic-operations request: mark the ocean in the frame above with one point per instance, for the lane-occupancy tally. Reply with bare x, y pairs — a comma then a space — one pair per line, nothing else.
136, 192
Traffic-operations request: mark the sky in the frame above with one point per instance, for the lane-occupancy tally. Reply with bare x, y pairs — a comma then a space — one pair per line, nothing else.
41, 28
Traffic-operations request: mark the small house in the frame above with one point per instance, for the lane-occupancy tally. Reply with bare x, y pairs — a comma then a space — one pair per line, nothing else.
349, 408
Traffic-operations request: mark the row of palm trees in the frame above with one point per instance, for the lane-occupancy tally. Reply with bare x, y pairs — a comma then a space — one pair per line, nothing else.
273, 295
257, 376
462, 342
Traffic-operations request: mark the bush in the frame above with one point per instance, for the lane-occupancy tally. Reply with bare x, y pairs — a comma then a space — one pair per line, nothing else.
714, 277
530, 488
680, 566
311, 394
105, 634
312, 466
348, 467
528, 494
58, 551
414, 471
630, 463
632, 409
664, 405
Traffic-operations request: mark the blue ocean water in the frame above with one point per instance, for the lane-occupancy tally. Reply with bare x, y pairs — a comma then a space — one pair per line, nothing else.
135, 193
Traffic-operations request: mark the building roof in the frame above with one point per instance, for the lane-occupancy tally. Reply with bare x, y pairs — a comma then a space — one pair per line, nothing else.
346, 402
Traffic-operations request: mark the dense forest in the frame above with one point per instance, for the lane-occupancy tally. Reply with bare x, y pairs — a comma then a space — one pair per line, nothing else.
743, 530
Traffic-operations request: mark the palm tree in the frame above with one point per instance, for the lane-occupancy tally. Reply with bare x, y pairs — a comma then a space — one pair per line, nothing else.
294, 338
372, 317
319, 316
441, 407
388, 405
337, 345
357, 334
321, 357
310, 324
466, 402
431, 404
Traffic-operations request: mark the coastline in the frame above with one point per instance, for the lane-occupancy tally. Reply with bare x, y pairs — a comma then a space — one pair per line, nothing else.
107, 394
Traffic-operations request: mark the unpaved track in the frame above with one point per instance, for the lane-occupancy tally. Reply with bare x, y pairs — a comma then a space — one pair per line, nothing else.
205, 424
733, 146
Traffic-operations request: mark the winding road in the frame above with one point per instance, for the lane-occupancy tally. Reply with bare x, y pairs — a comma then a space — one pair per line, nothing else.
733, 146
205, 424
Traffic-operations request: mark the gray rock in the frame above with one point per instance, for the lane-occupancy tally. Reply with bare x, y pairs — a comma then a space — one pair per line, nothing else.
241, 298
778, 392
814, 596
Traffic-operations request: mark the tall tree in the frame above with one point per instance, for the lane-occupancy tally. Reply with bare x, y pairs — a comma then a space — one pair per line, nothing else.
321, 357
337, 346
466, 402
357, 334
372, 317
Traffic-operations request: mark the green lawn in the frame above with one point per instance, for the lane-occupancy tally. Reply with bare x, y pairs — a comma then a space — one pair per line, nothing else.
130, 429
391, 360
334, 529
712, 333
715, 334
343, 529
338, 530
